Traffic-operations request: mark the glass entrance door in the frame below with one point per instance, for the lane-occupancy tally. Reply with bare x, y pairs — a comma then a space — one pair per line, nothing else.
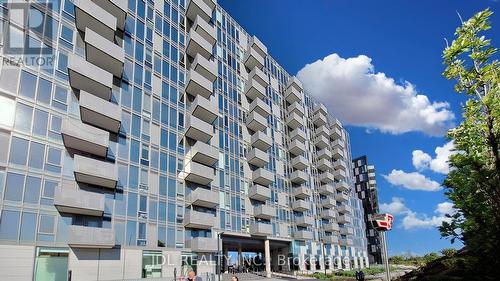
51, 264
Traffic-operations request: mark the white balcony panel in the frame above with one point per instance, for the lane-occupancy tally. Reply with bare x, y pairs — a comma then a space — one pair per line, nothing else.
323, 165
259, 192
203, 153
340, 165
295, 83
85, 76
326, 177
347, 231
337, 153
260, 107
346, 242
203, 197
261, 140
198, 220
342, 186
330, 239
345, 219
321, 108
328, 202
80, 202
298, 134
326, 189
345, 209
261, 229
304, 221
95, 172
328, 214
256, 122
298, 177
303, 235
206, 30
254, 90
301, 192
262, 177
253, 59
198, 129
104, 53
335, 123
300, 205
90, 15
257, 157
259, 76
82, 137
339, 174
196, 44
321, 142
204, 109
296, 148
319, 119
90, 237
294, 120
198, 85
202, 245
331, 227
198, 8
207, 68
100, 113
258, 46
297, 108
264, 212
300, 162
323, 131
325, 153
339, 143
335, 133
341, 197
117, 8
198, 173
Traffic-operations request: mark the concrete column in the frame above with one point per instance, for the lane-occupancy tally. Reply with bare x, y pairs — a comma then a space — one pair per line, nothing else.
267, 255
240, 258
226, 259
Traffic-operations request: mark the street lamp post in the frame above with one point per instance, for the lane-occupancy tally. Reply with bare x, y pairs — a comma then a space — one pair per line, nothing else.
218, 254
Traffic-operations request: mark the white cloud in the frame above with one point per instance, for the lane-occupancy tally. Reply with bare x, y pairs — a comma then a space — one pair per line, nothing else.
422, 160
396, 206
359, 96
414, 221
412, 181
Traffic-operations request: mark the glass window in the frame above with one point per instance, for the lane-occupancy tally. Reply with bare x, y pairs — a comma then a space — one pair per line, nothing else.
23, 117
32, 190
44, 91
28, 227
28, 85
4, 150
7, 106
53, 160
132, 205
37, 154
9, 225
18, 151
131, 233
151, 264
40, 123
46, 224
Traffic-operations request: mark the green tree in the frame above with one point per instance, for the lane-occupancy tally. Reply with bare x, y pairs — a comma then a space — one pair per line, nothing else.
473, 185
448, 252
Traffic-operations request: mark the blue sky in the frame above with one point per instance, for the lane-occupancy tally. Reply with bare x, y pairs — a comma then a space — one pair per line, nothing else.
400, 42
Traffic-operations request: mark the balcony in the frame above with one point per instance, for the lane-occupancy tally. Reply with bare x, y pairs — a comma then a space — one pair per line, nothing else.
261, 229
330, 239
337, 153
340, 165
198, 220
345, 219
295, 83
304, 221
344, 209
197, 129
331, 227
198, 85
104, 53
336, 124
203, 197
85, 76
204, 109
338, 143
259, 193
298, 134
323, 131
89, 15
321, 108
253, 59
293, 95
339, 174
203, 28
95, 172
303, 235
257, 45
90, 237
100, 113
326, 189
296, 147
328, 202
341, 197
261, 140
260, 107
82, 137
196, 44
254, 90
80, 202
319, 119
347, 231
207, 68
262, 177
326, 177
198, 8
301, 192
256, 122
202, 245
346, 242
300, 163
324, 154
297, 108
328, 214
298, 177
335, 133
342, 186
321, 142
259, 76
117, 8
257, 157
264, 212
198, 173
323, 164
300, 205
203, 153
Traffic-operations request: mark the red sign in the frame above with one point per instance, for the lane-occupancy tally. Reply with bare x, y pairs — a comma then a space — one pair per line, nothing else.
382, 222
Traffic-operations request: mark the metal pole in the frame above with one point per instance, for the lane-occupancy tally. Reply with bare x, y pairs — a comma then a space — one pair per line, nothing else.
386, 255
324, 255
218, 256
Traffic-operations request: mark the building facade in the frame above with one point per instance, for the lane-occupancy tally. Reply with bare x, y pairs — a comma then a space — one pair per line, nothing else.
159, 127
366, 189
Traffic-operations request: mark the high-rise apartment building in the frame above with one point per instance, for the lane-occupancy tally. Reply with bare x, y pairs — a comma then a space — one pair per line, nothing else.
366, 189
159, 127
